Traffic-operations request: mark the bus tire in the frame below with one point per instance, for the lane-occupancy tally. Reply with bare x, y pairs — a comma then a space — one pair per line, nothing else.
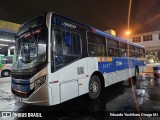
136, 73
5, 73
94, 87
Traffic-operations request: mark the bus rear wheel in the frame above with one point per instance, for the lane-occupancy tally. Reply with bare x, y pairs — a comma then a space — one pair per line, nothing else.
94, 87
5, 73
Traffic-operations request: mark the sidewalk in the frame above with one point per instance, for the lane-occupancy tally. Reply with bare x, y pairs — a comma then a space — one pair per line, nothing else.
6, 98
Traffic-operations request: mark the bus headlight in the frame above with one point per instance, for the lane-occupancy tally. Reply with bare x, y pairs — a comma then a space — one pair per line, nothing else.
39, 81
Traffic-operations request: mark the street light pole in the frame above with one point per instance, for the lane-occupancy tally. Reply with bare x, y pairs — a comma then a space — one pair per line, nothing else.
128, 32
129, 14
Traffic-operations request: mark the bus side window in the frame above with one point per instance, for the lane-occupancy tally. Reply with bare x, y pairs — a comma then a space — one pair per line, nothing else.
113, 47
76, 44
96, 44
58, 49
67, 47
123, 53
110, 52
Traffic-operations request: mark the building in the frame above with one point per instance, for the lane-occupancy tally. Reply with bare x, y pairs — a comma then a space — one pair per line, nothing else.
112, 32
151, 41
7, 36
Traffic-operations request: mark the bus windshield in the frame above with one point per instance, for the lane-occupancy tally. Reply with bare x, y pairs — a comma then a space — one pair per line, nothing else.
31, 48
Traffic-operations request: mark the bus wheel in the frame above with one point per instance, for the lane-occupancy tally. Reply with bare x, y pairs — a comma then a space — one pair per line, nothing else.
5, 73
94, 87
136, 73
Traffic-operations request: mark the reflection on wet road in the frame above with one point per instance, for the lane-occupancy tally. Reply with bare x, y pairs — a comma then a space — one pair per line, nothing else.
150, 101
116, 98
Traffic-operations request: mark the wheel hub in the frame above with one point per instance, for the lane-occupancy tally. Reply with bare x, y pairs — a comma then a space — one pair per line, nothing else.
94, 87
6, 73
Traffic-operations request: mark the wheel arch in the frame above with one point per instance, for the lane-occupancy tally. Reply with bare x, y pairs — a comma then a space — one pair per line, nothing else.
6, 70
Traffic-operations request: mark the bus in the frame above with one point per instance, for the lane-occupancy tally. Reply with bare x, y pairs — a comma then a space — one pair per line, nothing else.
58, 59
5, 64
7, 44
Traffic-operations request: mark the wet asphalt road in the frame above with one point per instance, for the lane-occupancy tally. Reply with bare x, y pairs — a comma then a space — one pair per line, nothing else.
124, 97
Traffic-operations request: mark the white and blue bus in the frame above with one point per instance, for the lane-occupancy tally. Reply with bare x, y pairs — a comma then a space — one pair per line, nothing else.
58, 59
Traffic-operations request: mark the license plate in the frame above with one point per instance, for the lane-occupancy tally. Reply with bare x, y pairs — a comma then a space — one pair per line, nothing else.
22, 88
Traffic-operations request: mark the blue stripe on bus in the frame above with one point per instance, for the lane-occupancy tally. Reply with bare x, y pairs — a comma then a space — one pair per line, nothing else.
118, 64
19, 81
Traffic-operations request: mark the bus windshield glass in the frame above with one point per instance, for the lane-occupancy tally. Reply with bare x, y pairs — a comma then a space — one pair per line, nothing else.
30, 47
31, 24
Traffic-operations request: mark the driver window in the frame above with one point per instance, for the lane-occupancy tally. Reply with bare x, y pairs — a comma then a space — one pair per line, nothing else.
67, 47
58, 42
67, 44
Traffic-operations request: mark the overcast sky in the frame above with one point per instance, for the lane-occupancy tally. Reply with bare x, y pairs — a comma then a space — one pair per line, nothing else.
102, 14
